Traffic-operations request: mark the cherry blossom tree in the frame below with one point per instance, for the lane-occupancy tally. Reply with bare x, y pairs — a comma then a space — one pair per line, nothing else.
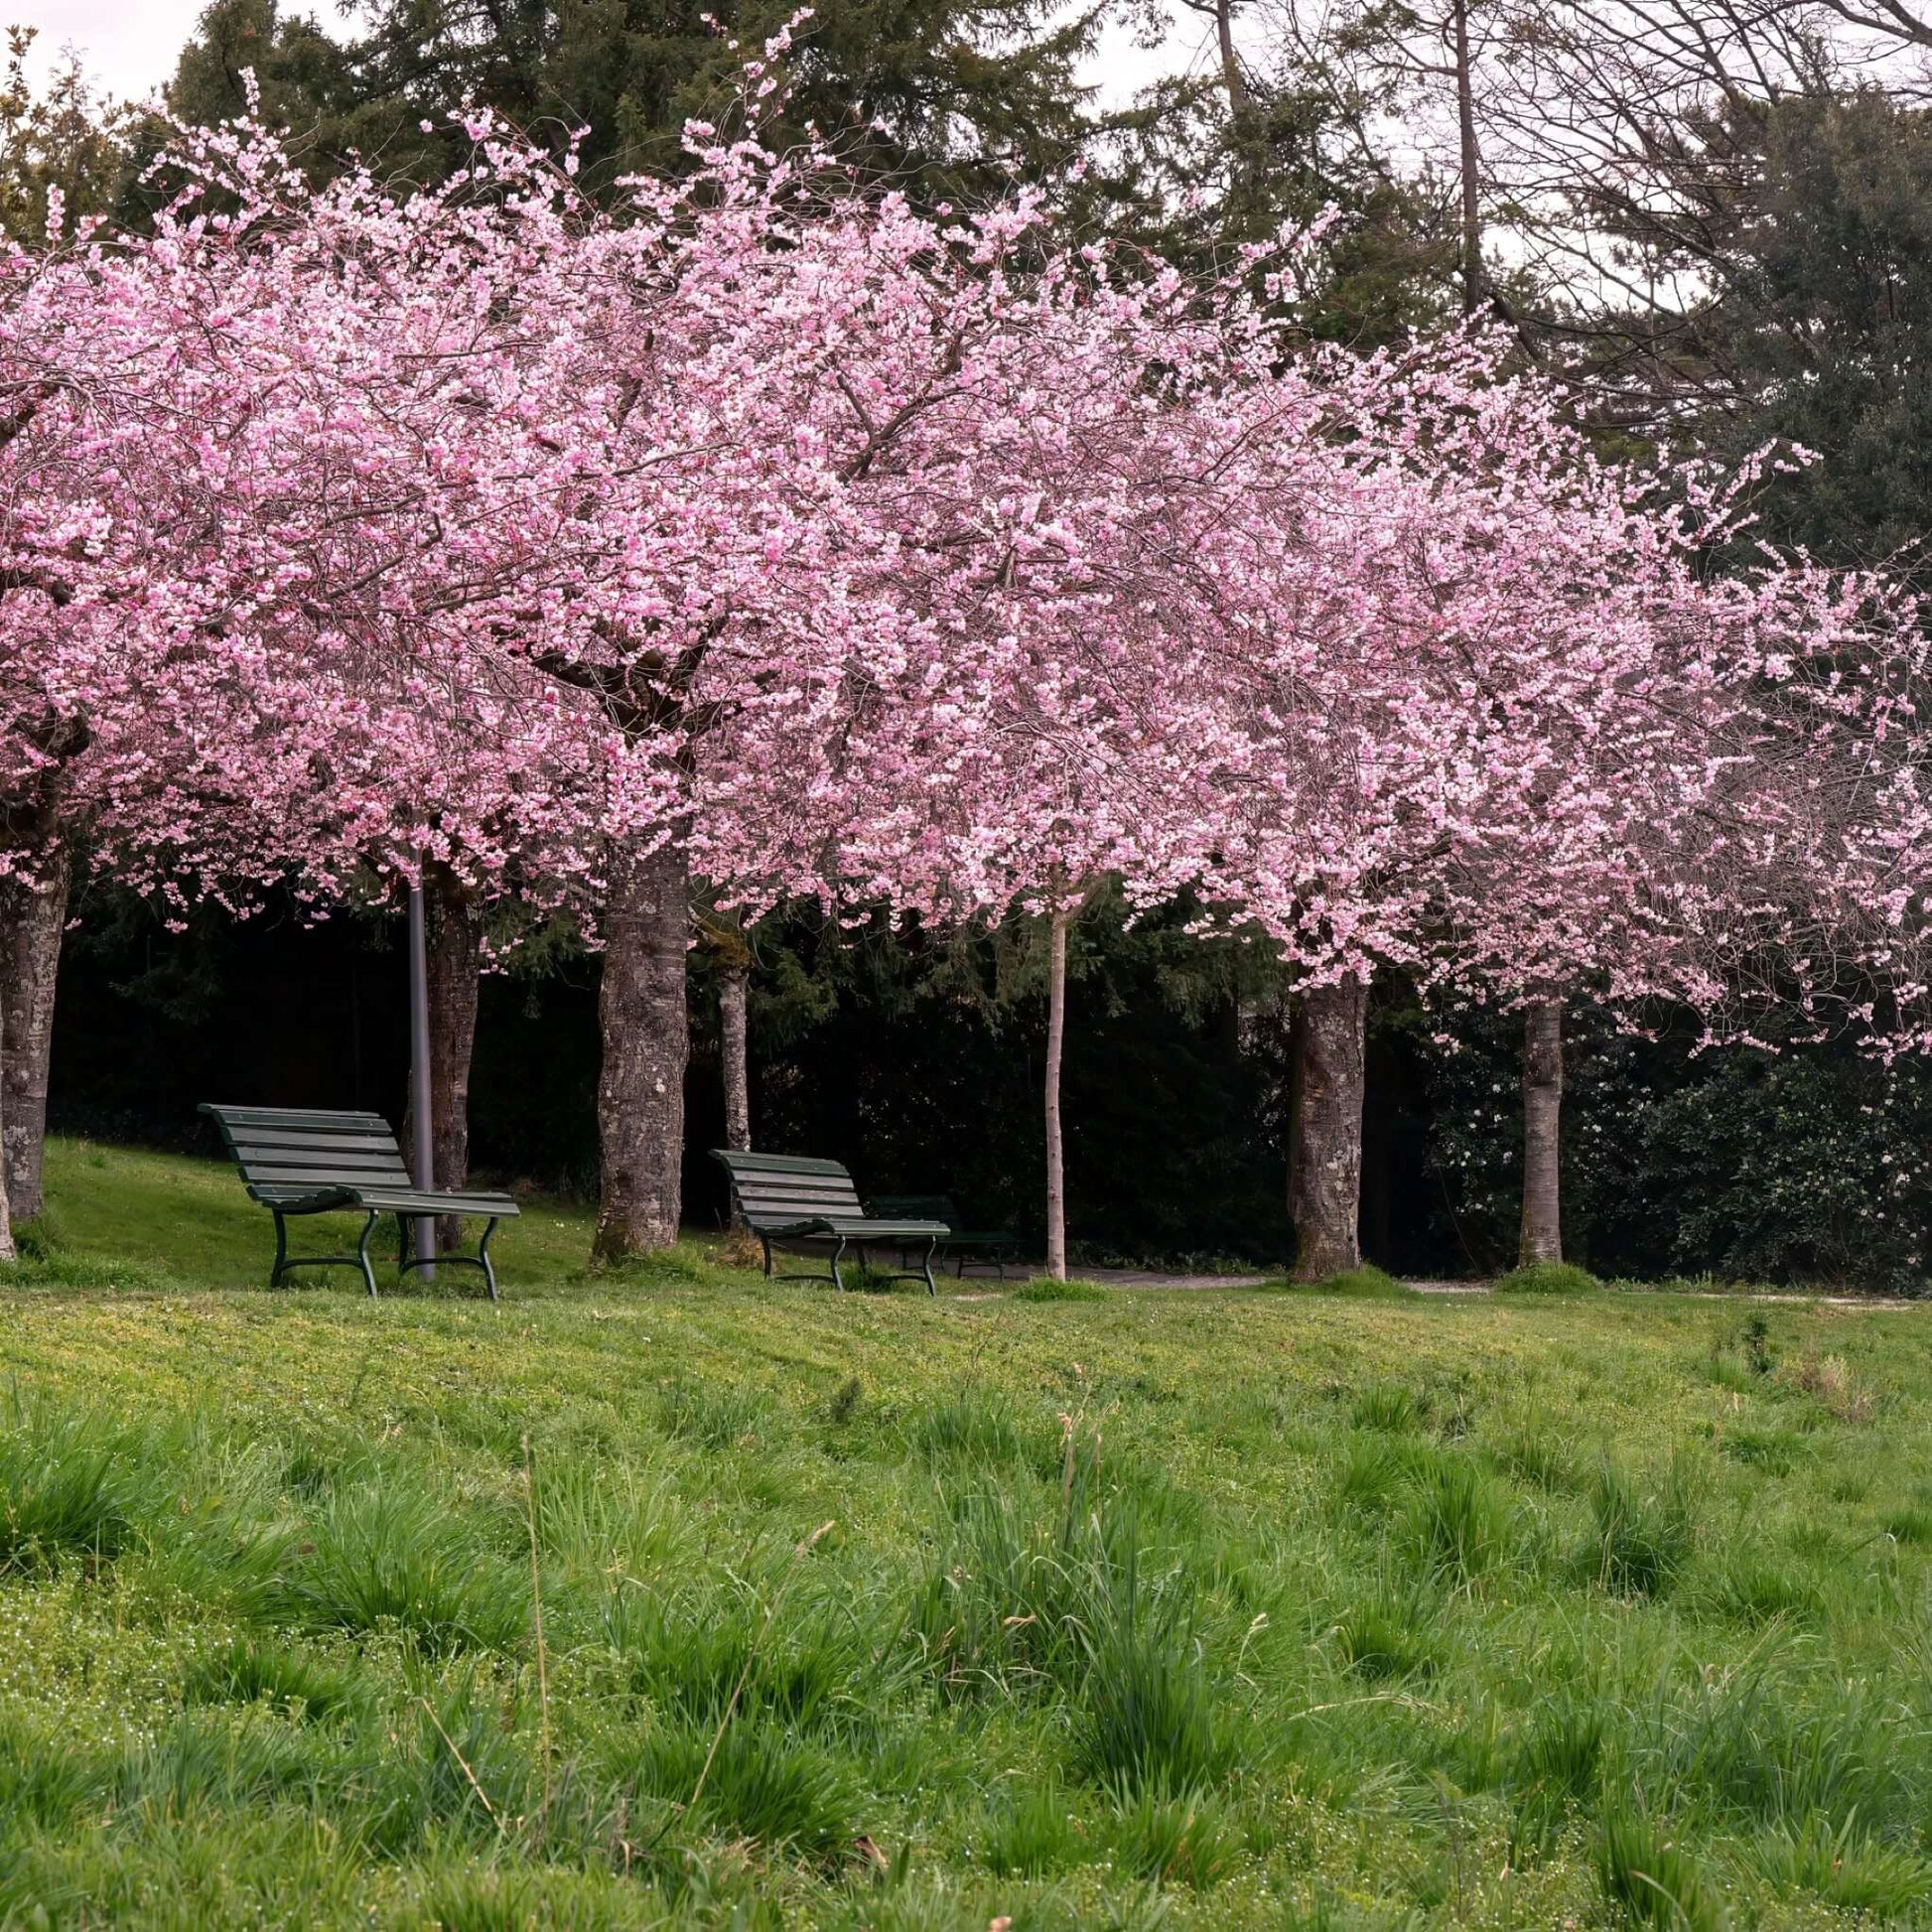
767, 535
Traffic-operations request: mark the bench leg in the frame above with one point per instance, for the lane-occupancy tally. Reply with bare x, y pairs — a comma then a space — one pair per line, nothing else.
281, 1252
483, 1255
838, 1280
925, 1265
768, 1256
362, 1251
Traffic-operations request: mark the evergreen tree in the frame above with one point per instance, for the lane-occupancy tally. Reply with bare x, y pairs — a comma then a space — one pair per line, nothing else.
949, 100
64, 139
1820, 328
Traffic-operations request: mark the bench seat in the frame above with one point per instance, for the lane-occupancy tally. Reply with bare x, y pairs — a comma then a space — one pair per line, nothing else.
298, 1161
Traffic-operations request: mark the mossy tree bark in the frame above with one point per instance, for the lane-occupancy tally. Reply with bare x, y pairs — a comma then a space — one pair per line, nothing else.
646, 1042
6, 1215
453, 929
1542, 1237
32, 916
734, 988
1324, 1178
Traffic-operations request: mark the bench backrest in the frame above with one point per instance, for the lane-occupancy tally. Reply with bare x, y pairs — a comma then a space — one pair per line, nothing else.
287, 1151
771, 1189
916, 1207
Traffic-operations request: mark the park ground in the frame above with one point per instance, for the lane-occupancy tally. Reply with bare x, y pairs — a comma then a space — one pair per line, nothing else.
671, 1597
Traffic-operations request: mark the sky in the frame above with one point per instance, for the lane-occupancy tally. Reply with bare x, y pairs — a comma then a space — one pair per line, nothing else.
129, 46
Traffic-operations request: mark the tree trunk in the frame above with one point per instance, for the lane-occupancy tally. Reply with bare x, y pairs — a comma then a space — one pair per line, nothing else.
6, 1217
1541, 1118
1471, 162
734, 983
455, 929
1055, 1145
1324, 1188
646, 1041
32, 920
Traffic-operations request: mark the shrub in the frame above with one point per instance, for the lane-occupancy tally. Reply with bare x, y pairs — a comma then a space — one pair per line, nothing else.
1044, 1288
1367, 1281
1547, 1278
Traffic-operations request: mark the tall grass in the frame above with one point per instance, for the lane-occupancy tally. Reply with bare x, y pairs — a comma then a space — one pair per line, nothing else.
1458, 1519
385, 1556
71, 1486
1644, 1535
1653, 1879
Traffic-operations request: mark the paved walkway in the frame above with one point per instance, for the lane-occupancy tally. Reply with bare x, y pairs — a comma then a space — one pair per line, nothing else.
981, 1287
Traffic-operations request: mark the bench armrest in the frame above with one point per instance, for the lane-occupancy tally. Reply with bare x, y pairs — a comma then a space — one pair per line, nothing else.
416, 1201
295, 1201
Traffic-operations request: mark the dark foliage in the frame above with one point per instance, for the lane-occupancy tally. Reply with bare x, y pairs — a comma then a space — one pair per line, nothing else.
918, 1064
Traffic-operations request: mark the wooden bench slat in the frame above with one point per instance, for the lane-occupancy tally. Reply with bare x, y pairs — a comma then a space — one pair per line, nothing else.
313, 1151
298, 1118
786, 1164
329, 1176
755, 1210
412, 1201
270, 1137
752, 1191
357, 1156
779, 1196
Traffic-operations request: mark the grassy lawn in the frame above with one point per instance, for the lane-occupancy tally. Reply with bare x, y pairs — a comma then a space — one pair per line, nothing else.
1236, 1608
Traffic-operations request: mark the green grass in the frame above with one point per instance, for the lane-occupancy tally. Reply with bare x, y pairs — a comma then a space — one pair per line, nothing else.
1220, 1609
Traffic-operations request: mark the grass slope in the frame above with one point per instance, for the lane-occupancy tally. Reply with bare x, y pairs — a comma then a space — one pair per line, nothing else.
1232, 1609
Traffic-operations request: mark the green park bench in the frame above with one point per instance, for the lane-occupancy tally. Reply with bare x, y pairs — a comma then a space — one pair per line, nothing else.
959, 1244
805, 1206
305, 1161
